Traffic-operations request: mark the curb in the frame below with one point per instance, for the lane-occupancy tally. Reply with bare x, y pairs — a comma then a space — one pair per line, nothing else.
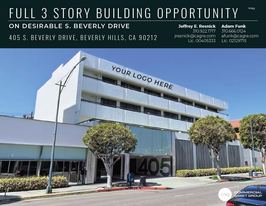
222, 181
82, 192
257, 177
250, 178
48, 195
134, 188
208, 181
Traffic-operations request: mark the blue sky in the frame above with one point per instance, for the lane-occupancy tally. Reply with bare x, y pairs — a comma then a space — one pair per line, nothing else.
236, 76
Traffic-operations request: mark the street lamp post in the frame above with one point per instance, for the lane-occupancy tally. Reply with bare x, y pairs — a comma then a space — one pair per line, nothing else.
61, 87
253, 153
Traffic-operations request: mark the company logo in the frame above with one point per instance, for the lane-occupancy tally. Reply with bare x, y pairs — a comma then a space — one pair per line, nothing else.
225, 194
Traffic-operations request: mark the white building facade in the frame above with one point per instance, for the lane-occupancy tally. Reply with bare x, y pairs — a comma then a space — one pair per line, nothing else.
104, 90
158, 112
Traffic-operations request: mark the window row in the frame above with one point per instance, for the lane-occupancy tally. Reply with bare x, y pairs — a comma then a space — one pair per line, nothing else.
136, 108
29, 168
158, 94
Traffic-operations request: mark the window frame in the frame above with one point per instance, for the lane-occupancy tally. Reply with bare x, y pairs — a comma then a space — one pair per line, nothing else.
152, 111
125, 106
130, 86
186, 102
109, 80
151, 92
169, 97
170, 115
186, 118
108, 104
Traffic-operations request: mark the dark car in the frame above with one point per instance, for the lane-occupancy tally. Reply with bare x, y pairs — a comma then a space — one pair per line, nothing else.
251, 195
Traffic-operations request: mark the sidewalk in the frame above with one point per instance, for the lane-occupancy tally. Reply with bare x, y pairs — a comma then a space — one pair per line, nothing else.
71, 190
170, 182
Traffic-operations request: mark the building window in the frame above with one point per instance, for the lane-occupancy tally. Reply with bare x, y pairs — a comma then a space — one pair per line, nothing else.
236, 130
200, 106
129, 107
13, 166
130, 86
4, 166
152, 111
170, 115
23, 168
186, 118
212, 110
186, 102
109, 80
151, 92
108, 102
170, 97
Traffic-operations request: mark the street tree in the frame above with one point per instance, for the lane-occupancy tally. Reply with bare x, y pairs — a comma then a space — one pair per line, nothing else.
258, 123
213, 132
108, 141
25, 116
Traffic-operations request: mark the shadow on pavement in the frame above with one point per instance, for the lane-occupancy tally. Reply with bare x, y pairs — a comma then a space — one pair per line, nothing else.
117, 182
234, 178
9, 199
148, 184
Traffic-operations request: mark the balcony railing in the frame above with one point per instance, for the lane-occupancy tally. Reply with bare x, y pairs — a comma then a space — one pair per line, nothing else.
116, 84
113, 106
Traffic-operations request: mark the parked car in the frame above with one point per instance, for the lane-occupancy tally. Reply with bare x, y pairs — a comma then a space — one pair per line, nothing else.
250, 195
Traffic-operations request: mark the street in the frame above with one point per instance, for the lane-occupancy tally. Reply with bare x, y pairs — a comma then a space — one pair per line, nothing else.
206, 195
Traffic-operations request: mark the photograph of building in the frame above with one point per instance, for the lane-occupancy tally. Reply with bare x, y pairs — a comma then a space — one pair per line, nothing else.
158, 112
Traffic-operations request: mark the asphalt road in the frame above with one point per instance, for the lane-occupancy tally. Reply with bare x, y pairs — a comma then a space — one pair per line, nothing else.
206, 195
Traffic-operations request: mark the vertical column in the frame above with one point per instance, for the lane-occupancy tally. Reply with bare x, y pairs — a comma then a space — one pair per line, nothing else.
173, 155
8, 167
122, 167
98, 100
227, 155
63, 169
194, 156
69, 170
39, 163
126, 166
78, 172
100, 76
15, 168
91, 168
0, 167
28, 171
241, 155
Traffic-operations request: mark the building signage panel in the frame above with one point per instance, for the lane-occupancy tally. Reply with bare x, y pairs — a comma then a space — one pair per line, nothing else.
143, 78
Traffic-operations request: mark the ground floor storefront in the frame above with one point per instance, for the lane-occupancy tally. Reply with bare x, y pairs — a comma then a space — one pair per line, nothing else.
158, 152
72, 170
